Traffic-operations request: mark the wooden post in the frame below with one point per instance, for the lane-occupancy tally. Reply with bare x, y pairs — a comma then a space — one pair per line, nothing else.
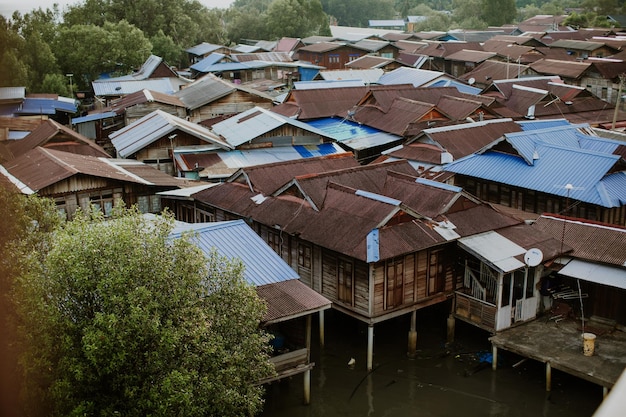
307, 340
370, 347
451, 327
548, 376
494, 357
321, 316
413, 335
307, 387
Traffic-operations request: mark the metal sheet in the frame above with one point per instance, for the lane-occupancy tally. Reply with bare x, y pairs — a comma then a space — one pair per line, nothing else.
592, 272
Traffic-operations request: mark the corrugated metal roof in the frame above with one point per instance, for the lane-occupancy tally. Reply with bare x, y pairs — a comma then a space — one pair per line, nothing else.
576, 44
592, 272
495, 249
291, 298
591, 241
528, 125
315, 85
369, 62
221, 165
372, 45
469, 55
307, 104
355, 135
154, 126
417, 77
120, 88
93, 116
236, 240
368, 76
203, 49
204, 90
47, 106
145, 96
550, 173
567, 69
207, 62
12, 93
250, 124
462, 87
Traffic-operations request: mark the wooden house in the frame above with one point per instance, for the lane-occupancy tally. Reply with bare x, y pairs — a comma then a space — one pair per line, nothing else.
584, 49
78, 181
330, 55
466, 60
211, 97
51, 135
545, 168
375, 240
152, 139
290, 303
198, 52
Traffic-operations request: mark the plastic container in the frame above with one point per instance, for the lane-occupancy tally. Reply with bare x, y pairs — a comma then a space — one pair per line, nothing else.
589, 341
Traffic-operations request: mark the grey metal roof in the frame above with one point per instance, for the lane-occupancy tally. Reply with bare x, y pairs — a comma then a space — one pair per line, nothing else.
368, 76
12, 93
49, 106
203, 49
236, 240
495, 249
253, 123
119, 88
92, 117
154, 126
415, 76
204, 90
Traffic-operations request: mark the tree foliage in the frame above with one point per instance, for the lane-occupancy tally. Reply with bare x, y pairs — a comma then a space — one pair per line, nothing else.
358, 12
136, 323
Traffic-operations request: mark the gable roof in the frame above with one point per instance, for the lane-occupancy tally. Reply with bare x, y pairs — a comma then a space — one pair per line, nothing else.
316, 103
468, 55
203, 48
546, 160
144, 96
53, 166
417, 77
53, 135
204, 90
252, 123
567, 69
154, 126
368, 76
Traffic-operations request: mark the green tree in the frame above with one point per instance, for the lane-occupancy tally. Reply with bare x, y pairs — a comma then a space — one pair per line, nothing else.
88, 50
358, 12
136, 323
295, 18
498, 12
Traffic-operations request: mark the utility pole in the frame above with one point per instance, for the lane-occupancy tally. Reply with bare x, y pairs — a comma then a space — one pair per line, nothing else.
619, 99
71, 86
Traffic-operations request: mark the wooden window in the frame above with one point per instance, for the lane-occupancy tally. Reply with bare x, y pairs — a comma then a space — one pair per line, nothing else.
436, 272
273, 239
394, 283
345, 281
304, 255
149, 203
203, 216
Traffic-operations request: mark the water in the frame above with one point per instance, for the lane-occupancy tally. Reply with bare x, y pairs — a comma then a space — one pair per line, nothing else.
440, 381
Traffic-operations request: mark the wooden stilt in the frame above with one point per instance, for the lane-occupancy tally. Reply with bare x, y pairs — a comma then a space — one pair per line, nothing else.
548, 376
370, 347
494, 357
413, 335
307, 387
321, 316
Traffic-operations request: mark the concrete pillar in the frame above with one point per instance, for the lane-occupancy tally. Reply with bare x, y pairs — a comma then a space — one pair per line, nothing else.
548, 376
308, 338
451, 328
307, 387
413, 335
494, 357
370, 347
321, 315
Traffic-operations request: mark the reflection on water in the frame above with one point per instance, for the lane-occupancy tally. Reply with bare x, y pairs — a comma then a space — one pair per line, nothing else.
440, 381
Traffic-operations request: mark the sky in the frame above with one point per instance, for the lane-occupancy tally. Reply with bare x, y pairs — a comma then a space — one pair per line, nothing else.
7, 7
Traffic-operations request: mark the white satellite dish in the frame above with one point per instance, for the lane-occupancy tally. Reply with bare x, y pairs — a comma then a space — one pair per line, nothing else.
471, 81
533, 257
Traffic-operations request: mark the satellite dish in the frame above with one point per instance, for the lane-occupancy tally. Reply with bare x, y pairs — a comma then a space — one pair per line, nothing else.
471, 81
533, 257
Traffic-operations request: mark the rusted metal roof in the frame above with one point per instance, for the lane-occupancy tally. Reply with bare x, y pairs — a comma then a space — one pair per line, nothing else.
348, 214
566, 69
398, 118
429, 154
592, 241
465, 139
268, 178
468, 55
459, 108
53, 135
41, 167
322, 47
443, 49
317, 103
289, 299
144, 96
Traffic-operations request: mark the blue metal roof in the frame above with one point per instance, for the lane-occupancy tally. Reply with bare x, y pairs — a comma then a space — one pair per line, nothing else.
542, 124
210, 60
555, 168
353, 135
615, 186
47, 106
236, 240
92, 117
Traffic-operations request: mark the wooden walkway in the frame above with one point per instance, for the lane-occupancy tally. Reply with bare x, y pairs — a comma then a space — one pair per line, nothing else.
560, 346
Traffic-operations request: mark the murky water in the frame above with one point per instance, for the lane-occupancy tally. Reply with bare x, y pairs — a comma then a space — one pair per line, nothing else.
440, 381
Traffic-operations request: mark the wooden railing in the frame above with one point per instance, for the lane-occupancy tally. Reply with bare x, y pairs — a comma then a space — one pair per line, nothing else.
477, 311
